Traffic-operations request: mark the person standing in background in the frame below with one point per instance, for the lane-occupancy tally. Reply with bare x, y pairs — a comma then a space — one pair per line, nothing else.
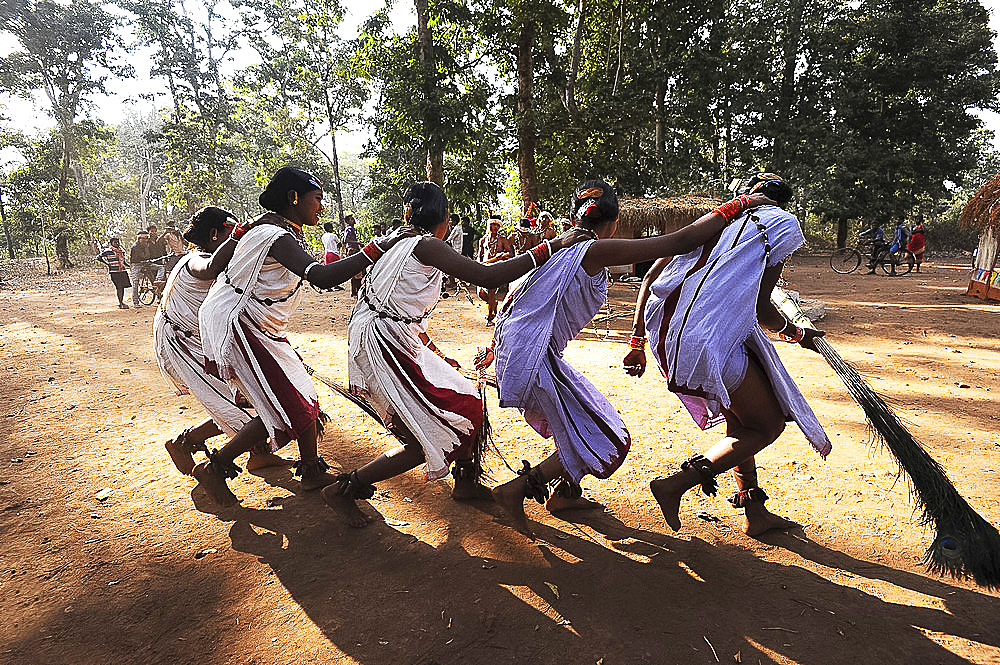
137, 255
469, 238
331, 244
114, 258
918, 242
352, 246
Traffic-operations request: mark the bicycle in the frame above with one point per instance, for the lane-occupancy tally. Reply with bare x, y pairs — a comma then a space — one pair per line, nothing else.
848, 259
148, 287
145, 284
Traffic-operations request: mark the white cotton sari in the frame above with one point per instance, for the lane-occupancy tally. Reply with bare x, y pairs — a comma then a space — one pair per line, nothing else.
389, 365
178, 347
243, 323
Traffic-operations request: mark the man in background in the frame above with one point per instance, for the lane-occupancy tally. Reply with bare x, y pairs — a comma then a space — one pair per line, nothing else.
137, 255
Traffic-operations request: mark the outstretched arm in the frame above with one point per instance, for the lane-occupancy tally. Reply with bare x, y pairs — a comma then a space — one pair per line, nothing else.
288, 253
614, 252
437, 253
208, 268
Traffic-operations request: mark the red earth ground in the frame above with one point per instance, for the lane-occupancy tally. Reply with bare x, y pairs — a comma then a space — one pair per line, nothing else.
155, 573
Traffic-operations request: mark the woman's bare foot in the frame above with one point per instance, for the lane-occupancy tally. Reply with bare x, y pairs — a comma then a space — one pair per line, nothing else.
214, 483
180, 454
759, 519
471, 490
558, 503
510, 497
263, 460
668, 493
346, 508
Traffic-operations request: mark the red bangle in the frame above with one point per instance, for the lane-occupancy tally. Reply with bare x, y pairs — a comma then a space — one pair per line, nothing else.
638, 343
240, 230
732, 209
541, 253
372, 252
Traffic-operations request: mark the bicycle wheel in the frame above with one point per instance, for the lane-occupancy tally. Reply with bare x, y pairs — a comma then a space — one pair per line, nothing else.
905, 261
845, 260
147, 293
897, 263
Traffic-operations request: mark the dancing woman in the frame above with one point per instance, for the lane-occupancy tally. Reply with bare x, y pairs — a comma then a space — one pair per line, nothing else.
244, 320
551, 307
177, 339
434, 410
702, 313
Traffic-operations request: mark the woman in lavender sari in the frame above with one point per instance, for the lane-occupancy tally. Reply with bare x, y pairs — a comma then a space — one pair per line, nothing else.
551, 306
703, 313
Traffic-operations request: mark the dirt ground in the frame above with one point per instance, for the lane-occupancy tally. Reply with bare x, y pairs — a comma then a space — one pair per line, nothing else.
155, 573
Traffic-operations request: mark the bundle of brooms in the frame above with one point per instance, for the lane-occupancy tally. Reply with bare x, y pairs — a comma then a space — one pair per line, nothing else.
965, 545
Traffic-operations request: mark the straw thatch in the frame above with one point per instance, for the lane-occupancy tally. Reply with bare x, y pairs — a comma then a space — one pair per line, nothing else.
661, 215
983, 210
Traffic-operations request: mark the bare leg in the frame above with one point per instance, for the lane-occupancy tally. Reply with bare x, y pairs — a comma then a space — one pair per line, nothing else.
183, 447
212, 475
467, 478
262, 460
754, 421
758, 518
511, 495
559, 503
340, 496
313, 471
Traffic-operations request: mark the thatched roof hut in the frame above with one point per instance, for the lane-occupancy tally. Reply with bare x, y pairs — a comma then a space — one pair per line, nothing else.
983, 212
661, 215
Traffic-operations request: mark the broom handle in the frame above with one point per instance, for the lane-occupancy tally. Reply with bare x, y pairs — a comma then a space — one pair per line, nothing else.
788, 307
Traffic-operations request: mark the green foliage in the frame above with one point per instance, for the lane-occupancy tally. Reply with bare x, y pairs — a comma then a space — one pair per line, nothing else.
864, 105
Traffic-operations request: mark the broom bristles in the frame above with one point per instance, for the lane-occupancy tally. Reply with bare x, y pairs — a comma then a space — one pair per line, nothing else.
966, 545
337, 387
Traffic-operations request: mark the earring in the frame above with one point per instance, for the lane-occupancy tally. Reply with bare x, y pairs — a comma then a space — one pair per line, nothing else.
215, 236
295, 198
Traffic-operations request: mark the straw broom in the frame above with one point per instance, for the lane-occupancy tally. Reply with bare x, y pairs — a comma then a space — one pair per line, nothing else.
965, 545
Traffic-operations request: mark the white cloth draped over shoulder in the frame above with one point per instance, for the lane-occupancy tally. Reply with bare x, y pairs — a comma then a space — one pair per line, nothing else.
404, 380
243, 324
703, 305
177, 344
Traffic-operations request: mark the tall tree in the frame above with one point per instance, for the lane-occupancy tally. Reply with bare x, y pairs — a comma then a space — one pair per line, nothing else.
308, 68
67, 51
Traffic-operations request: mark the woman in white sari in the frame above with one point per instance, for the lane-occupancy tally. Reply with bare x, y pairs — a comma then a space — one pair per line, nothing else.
243, 323
425, 401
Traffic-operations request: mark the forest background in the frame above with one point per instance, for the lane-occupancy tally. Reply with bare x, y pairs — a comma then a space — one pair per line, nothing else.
871, 108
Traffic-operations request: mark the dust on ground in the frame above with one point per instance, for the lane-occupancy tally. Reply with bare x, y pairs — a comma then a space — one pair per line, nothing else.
155, 573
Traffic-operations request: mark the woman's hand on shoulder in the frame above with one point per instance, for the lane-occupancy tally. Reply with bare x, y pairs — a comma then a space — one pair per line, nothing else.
402, 232
758, 200
571, 237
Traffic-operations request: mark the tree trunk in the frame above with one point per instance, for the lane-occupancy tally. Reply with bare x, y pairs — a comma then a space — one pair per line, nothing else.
574, 65
338, 193
6, 231
842, 232
526, 117
61, 230
786, 93
659, 135
432, 129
